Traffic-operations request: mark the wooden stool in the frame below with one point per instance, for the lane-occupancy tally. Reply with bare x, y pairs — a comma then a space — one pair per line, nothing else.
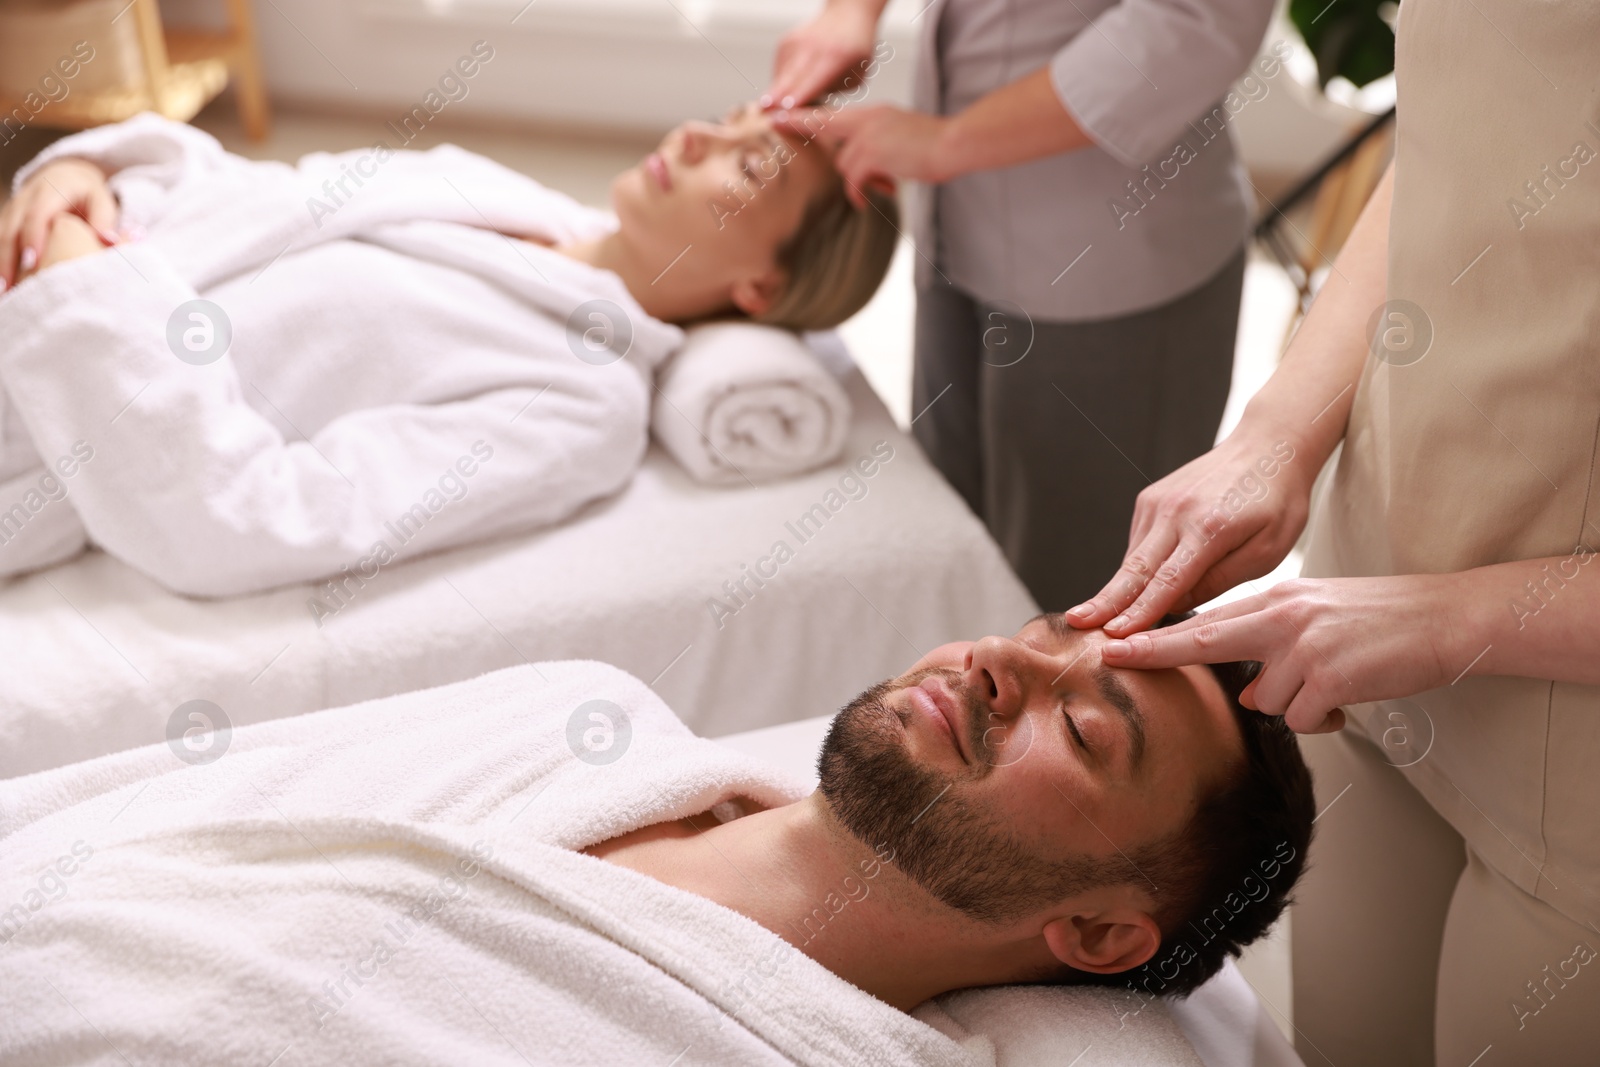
137, 65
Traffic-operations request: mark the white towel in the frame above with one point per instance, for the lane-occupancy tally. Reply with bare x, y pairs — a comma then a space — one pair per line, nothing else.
395, 882
741, 403
1058, 1026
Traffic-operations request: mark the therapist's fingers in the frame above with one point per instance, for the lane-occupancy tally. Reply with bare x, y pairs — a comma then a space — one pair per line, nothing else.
1280, 690
1172, 585
1143, 521
1332, 723
1138, 567
1240, 565
1274, 688
799, 83
854, 163
1201, 567
1193, 572
1128, 582
1247, 695
824, 74
1305, 713
858, 166
856, 192
804, 122
1199, 640
827, 128
1309, 713
832, 51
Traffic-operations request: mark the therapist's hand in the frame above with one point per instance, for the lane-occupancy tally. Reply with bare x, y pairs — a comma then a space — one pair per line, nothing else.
875, 146
828, 54
1226, 517
1323, 643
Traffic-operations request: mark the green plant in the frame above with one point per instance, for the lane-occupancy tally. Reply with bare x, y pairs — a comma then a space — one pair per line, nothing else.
1349, 38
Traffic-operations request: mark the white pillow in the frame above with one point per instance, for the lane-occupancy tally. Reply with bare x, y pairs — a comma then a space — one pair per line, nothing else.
741, 403
1053, 1026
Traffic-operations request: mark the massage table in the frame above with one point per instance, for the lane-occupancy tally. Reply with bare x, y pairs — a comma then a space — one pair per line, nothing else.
95, 657
1225, 1020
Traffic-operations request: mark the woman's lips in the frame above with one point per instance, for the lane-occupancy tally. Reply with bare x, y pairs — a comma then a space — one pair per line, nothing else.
658, 170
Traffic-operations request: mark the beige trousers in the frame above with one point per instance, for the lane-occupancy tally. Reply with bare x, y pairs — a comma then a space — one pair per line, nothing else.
1410, 951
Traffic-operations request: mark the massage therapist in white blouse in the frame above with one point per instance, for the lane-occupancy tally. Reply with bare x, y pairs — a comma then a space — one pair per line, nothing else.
1080, 246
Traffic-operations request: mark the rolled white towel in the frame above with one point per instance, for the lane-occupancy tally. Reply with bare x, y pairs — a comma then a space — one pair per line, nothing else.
743, 402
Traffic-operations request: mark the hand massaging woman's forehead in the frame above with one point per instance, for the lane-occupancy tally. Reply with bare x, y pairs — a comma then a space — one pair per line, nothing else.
756, 219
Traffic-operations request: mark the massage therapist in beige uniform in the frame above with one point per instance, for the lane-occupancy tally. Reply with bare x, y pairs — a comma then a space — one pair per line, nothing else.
1450, 603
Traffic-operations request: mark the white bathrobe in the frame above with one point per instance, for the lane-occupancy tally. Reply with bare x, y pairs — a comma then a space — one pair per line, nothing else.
397, 882
394, 883
401, 377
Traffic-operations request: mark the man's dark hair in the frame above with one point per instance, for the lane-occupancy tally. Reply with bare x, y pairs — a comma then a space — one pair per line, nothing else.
1223, 879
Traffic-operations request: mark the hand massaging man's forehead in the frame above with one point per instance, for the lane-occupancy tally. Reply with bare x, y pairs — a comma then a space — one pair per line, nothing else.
1025, 785
1075, 757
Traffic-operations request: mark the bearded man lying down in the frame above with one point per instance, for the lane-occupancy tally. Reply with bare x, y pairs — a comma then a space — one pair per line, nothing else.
543, 864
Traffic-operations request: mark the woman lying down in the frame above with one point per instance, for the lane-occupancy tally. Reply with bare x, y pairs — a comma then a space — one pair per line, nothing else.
542, 865
290, 369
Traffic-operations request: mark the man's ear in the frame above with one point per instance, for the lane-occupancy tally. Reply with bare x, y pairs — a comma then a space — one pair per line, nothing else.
755, 296
1104, 942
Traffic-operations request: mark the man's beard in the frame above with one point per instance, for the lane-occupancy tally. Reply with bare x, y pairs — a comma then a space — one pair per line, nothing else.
941, 839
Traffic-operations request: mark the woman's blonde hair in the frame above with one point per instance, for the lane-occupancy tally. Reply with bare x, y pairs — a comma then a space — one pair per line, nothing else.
835, 261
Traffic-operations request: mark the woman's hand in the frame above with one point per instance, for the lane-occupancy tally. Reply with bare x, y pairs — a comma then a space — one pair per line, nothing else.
1324, 642
64, 187
1182, 550
70, 237
829, 53
1228, 516
875, 146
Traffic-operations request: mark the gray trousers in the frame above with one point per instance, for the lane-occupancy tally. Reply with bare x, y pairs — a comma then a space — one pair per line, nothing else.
1050, 429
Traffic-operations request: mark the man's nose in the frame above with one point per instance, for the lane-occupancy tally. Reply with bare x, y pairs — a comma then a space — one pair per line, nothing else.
998, 675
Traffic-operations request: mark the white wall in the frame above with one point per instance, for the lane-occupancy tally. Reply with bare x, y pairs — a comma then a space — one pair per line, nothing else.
636, 66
